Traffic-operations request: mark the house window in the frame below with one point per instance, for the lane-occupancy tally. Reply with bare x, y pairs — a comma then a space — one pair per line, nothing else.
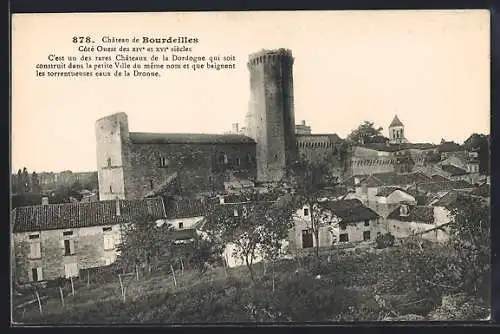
164, 162
344, 237
36, 274
367, 223
366, 235
306, 212
236, 212
35, 249
107, 229
307, 239
67, 233
107, 261
69, 247
71, 270
223, 158
181, 225
238, 161
109, 243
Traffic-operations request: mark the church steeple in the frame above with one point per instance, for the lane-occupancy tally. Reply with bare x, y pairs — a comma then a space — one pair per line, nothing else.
396, 131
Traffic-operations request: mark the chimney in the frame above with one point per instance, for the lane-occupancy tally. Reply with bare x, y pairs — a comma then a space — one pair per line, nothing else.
356, 181
118, 212
45, 200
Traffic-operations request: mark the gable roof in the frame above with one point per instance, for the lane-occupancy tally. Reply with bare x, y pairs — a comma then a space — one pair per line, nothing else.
78, 215
188, 138
350, 210
439, 178
453, 170
386, 191
447, 200
434, 187
450, 147
396, 122
417, 213
388, 179
185, 208
419, 177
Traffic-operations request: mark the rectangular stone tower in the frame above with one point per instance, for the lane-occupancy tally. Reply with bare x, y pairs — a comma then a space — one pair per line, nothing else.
271, 118
112, 136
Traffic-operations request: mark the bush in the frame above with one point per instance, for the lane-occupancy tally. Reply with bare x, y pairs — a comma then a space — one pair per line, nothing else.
384, 240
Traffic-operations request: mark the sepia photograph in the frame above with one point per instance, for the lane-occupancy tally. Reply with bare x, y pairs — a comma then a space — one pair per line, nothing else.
250, 167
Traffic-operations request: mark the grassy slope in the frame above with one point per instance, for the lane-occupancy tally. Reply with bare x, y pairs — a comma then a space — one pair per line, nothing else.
346, 291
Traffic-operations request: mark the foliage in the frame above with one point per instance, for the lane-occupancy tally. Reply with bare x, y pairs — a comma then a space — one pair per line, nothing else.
254, 227
470, 240
365, 133
384, 240
308, 180
481, 144
143, 243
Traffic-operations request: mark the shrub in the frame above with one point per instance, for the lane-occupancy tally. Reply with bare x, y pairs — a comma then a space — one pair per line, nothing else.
384, 240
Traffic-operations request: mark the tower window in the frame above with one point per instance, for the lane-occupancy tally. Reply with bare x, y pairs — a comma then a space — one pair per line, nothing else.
110, 189
109, 162
151, 184
238, 162
164, 162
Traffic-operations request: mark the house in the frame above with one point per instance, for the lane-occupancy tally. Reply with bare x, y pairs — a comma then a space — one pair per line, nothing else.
57, 240
184, 213
345, 221
455, 173
408, 220
388, 198
449, 148
431, 189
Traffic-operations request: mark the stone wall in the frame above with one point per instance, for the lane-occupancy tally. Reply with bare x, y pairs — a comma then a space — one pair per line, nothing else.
111, 137
88, 246
200, 167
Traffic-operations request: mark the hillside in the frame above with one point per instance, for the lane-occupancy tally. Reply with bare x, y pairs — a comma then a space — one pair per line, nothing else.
352, 286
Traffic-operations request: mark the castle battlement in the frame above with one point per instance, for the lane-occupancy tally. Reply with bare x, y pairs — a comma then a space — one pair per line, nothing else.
264, 56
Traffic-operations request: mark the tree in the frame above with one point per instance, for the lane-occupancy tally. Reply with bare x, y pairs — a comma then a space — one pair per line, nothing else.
254, 227
26, 180
35, 183
308, 179
480, 143
143, 243
365, 133
470, 238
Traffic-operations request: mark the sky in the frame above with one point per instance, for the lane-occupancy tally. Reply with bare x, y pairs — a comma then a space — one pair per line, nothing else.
431, 68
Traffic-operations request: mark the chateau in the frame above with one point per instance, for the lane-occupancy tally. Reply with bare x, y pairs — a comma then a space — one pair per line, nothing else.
136, 164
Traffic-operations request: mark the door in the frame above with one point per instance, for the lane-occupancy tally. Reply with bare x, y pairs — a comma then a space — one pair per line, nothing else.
307, 239
70, 270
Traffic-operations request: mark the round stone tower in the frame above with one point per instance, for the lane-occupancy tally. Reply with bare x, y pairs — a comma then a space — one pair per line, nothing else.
271, 120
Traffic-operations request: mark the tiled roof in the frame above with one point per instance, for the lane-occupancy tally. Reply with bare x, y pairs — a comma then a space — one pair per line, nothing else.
396, 122
334, 192
188, 138
417, 213
448, 199
434, 187
350, 211
388, 179
186, 234
333, 137
185, 208
78, 215
386, 191
453, 170
450, 147
419, 177
166, 187
439, 178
